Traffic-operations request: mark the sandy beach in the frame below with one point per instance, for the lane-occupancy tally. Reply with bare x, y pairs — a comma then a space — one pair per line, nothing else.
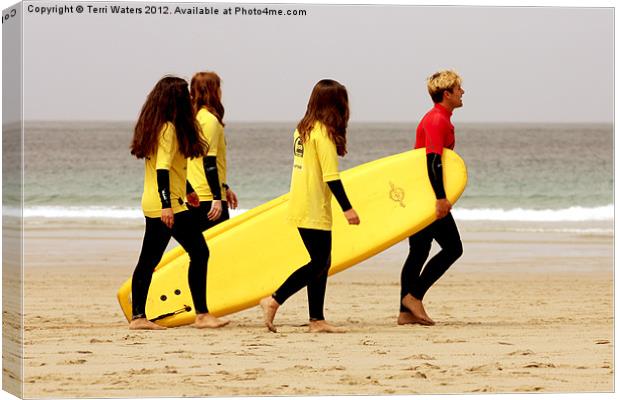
523, 311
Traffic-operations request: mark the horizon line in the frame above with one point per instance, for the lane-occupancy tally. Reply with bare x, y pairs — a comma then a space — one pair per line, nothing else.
295, 121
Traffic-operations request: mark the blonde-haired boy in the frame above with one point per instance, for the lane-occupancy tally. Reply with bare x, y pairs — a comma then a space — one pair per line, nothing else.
435, 132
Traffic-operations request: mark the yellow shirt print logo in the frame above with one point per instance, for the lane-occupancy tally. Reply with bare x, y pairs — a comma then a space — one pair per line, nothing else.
298, 148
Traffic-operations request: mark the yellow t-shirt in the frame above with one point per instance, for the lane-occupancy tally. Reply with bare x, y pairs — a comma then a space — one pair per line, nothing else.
167, 157
315, 163
213, 132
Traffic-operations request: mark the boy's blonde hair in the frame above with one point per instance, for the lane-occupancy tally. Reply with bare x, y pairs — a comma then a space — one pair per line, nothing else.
440, 82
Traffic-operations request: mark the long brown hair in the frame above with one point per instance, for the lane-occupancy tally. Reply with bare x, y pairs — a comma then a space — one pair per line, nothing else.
205, 92
168, 102
328, 104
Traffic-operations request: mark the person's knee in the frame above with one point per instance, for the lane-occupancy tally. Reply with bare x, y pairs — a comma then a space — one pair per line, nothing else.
420, 246
456, 250
146, 264
320, 266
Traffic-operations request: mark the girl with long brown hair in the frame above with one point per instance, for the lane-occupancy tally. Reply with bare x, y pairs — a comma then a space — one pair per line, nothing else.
207, 174
166, 135
319, 139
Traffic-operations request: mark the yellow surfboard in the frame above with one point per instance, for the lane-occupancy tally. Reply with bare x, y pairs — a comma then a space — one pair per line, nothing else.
252, 254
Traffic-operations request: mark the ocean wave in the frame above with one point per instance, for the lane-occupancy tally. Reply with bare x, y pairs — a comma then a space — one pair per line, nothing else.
54, 212
572, 214
94, 212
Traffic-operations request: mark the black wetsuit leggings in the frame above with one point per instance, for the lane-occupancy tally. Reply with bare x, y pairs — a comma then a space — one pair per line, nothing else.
200, 214
156, 238
313, 275
415, 281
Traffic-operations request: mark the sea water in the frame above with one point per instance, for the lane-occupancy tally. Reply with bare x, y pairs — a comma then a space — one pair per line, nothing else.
517, 172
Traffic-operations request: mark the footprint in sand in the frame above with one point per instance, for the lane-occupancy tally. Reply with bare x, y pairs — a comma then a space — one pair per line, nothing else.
73, 362
258, 344
419, 357
449, 341
484, 389
486, 368
529, 389
539, 365
119, 382
249, 374
422, 371
170, 370
426, 366
95, 340
521, 353
143, 371
334, 368
350, 380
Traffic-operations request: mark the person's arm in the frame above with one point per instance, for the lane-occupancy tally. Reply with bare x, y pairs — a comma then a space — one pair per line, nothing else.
231, 196
165, 150
211, 129
338, 190
435, 174
210, 165
328, 160
435, 134
191, 196
163, 188
340, 195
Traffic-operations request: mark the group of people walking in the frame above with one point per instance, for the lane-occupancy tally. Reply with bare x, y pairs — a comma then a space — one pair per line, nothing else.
180, 135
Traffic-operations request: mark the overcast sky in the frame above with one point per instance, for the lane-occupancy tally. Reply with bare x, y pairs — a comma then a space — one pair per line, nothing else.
518, 64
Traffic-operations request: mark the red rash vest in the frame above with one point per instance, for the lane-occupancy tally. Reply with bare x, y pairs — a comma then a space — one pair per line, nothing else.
435, 131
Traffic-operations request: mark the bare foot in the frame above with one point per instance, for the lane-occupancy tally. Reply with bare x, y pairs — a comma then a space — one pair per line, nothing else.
405, 318
144, 324
269, 306
417, 309
207, 320
323, 327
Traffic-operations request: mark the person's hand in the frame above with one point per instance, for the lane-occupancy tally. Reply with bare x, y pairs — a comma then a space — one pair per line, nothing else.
231, 198
167, 217
193, 199
442, 208
216, 210
352, 217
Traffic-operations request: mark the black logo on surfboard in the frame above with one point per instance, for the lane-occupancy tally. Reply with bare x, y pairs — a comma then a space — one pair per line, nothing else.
298, 149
